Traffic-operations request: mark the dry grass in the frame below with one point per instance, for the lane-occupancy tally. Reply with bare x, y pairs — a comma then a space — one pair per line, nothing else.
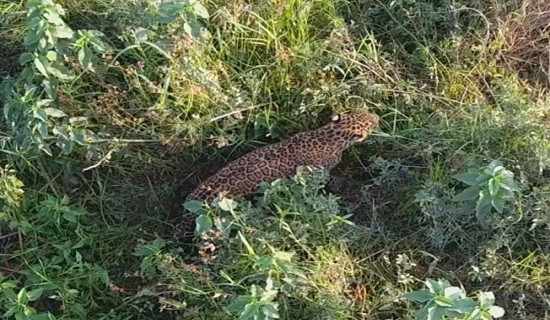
525, 40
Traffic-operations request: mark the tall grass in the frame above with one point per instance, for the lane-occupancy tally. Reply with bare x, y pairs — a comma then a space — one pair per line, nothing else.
147, 100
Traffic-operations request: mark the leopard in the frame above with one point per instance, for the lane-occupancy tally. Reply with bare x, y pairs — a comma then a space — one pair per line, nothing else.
319, 148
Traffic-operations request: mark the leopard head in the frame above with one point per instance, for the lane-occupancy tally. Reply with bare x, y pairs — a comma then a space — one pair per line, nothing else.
351, 127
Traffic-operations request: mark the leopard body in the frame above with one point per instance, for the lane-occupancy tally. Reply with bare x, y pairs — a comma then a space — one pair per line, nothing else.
322, 147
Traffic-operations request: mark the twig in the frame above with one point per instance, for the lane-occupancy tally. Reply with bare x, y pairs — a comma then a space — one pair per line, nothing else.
104, 159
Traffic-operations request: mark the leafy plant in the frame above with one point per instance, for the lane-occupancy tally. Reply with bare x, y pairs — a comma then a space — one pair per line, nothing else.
443, 301
151, 254
492, 187
17, 305
259, 304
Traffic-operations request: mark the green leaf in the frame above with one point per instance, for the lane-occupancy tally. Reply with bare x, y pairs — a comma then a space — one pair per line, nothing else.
437, 287
60, 71
498, 204
192, 28
493, 187
468, 194
64, 32
227, 205
53, 18
70, 216
443, 301
484, 198
486, 299
468, 178
250, 310
495, 164
22, 296
419, 296
464, 306
11, 311
270, 310
435, 313
239, 304
200, 10
32, 37
204, 223
54, 113
25, 58
41, 64
454, 293
85, 57
193, 206
33, 295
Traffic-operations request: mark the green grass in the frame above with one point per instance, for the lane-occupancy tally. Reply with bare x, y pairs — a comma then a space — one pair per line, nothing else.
456, 85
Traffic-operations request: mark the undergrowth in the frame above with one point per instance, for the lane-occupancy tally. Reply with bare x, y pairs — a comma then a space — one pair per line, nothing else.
113, 110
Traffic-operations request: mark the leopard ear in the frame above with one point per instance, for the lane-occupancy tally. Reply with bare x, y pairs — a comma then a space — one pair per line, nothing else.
335, 118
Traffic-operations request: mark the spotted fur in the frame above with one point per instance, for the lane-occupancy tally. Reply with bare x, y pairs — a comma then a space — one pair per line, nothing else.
322, 147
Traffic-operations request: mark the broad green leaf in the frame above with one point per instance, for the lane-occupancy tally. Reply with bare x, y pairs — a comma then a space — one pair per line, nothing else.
443, 301
227, 205
493, 165
11, 311
193, 206
204, 223
192, 28
284, 256
60, 71
510, 185
453, 293
22, 296
85, 57
419, 296
64, 32
53, 18
44, 103
493, 187
250, 310
468, 194
486, 299
55, 113
464, 306
498, 204
42, 316
41, 66
34, 294
468, 178
238, 304
435, 313
200, 10
25, 58
484, 198
270, 310
32, 37
437, 287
